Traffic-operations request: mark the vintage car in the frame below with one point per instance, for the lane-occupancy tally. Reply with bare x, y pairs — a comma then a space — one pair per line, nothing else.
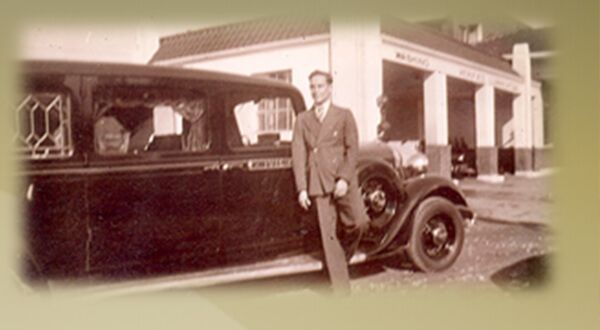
142, 172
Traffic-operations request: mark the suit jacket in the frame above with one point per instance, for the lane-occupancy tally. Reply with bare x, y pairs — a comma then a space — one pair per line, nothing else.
323, 152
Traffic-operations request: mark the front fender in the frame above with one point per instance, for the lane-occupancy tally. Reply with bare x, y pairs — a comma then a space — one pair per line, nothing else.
418, 189
381, 163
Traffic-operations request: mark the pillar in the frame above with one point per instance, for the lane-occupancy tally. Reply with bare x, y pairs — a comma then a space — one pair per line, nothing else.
540, 155
485, 117
522, 112
357, 68
435, 103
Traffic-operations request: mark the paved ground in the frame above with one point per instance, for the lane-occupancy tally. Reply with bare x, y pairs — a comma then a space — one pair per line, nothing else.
489, 259
510, 247
517, 199
496, 256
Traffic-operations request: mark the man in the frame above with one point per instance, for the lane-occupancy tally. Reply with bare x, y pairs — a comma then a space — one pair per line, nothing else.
324, 151
383, 129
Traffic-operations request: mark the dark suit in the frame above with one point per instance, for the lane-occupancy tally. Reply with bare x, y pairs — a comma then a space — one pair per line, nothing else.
322, 153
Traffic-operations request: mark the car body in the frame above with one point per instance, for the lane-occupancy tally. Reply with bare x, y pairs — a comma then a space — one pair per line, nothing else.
134, 172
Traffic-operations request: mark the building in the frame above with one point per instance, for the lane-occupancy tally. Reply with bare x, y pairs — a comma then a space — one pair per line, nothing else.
474, 31
440, 90
541, 54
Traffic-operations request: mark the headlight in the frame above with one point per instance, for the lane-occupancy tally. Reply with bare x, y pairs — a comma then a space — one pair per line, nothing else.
417, 164
397, 158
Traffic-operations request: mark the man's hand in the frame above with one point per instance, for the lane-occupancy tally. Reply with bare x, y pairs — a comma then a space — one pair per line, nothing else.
304, 200
341, 188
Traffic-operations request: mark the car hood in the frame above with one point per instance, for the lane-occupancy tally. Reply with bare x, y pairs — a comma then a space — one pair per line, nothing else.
376, 149
397, 153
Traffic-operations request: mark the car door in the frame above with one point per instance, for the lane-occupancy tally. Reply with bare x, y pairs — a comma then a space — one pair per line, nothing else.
48, 121
261, 218
155, 188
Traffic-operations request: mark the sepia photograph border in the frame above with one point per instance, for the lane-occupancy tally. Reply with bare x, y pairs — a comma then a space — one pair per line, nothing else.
570, 300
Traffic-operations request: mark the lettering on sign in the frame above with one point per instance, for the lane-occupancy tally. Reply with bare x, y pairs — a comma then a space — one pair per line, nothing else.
412, 59
502, 84
269, 164
471, 75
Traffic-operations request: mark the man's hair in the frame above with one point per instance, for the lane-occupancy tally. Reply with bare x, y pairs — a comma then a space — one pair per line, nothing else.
327, 75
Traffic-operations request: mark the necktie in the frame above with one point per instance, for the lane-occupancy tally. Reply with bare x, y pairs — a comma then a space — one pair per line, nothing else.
320, 113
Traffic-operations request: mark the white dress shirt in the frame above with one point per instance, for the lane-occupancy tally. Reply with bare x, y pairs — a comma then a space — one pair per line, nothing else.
321, 110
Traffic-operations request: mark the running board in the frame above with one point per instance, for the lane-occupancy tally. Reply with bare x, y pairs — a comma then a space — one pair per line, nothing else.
280, 267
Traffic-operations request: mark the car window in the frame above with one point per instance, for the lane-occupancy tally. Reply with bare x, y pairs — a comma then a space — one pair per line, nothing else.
142, 119
43, 116
260, 121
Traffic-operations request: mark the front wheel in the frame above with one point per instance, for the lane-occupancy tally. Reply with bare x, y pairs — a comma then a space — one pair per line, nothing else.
437, 235
382, 200
380, 196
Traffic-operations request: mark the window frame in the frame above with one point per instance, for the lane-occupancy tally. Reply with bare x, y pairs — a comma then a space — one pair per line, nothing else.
48, 85
183, 91
236, 97
284, 76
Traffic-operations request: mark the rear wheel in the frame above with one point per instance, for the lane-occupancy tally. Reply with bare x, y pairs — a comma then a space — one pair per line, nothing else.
437, 235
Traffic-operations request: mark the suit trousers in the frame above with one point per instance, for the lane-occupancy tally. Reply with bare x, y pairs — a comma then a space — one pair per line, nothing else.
351, 208
335, 257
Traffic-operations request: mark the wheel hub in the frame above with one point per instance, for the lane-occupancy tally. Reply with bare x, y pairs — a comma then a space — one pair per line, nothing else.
439, 235
438, 238
380, 198
377, 200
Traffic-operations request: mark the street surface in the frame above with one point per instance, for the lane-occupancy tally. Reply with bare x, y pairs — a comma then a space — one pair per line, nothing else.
490, 248
509, 247
517, 199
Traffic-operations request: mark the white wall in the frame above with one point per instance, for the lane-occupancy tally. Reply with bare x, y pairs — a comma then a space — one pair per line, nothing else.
430, 60
114, 42
357, 69
301, 59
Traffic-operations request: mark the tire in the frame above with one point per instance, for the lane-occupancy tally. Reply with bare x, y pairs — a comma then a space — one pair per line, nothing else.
382, 201
437, 235
381, 197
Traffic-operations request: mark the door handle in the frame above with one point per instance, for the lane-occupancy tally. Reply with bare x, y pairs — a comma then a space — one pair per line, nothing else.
29, 192
212, 167
234, 165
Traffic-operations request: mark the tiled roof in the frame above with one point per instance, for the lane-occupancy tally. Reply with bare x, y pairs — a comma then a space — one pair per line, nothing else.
238, 35
266, 30
538, 40
430, 38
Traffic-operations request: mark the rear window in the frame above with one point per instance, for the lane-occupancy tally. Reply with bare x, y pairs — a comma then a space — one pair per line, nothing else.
260, 120
43, 122
142, 119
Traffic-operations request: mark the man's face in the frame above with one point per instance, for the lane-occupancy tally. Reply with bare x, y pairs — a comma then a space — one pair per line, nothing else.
320, 89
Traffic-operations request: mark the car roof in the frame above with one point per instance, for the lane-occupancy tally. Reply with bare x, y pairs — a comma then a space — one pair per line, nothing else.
123, 69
